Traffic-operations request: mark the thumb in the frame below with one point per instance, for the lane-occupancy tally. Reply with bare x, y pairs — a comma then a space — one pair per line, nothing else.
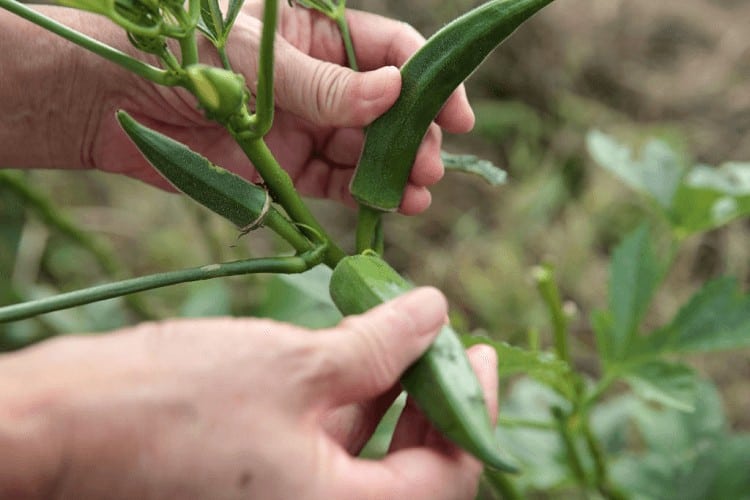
375, 348
328, 94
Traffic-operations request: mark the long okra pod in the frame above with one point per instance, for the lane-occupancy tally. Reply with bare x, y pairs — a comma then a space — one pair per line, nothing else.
442, 381
428, 79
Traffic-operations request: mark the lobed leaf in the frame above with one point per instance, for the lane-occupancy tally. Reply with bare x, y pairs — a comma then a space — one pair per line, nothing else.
716, 318
671, 384
635, 273
693, 199
235, 6
211, 22
541, 366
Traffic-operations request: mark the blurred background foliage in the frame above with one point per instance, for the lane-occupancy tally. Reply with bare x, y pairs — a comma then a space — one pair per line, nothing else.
677, 70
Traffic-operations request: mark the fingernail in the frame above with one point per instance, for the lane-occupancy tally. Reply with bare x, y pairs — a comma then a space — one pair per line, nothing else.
380, 82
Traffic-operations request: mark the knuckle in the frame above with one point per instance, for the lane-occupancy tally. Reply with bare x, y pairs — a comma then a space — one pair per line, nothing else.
330, 84
371, 345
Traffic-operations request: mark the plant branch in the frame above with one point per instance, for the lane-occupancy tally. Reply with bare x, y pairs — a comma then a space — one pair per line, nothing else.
264, 105
282, 190
53, 218
140, 68
340, 19
288, 265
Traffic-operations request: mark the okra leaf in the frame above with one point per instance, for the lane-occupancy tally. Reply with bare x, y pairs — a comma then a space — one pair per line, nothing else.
217, 189
716, 318
635, 274
690, 455
711, 197
693, 199
235, 6
470, 164
302, 299
540, 366
538, 451
658, 172
211, 22
671, 384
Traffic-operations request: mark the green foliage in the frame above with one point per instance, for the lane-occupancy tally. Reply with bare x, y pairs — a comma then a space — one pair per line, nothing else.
665, 437
685, 455
470, 164
693, 199
634, 276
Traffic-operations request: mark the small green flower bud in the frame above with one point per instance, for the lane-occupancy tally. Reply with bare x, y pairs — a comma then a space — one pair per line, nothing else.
220, 92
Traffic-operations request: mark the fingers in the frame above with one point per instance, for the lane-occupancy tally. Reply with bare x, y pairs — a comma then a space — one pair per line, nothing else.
328, 94
374, 349
380, 41
414, 429
416, 474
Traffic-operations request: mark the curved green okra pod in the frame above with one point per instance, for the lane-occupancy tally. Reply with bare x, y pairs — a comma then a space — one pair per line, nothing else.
242, 203
428, 79
442, 381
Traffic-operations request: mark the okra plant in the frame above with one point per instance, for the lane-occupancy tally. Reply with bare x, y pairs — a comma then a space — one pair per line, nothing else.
560, 438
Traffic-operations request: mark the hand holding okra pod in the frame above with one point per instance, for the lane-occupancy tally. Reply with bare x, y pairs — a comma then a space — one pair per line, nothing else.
442, 381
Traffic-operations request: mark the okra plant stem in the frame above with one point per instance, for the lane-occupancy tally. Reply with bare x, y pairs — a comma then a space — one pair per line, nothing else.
140, 68
282, 191
346, 36
264, 105
287, 265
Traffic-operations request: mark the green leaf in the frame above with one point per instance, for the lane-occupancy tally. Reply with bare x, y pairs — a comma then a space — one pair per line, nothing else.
380, 441
693, 199
470, 164
658, 172
235, 6
635, 274
207, 298
541, 366
716, 318
711, 197
671, 384
688, 456
302, 299
211, 19
539, 452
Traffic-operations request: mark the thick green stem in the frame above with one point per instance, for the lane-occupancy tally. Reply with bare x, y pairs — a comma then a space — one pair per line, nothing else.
147, 71
264, 104
287, 265
282, 191
368, 222
189, 49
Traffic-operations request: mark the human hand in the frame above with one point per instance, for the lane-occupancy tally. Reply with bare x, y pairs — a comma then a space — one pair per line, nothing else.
322, 107
225, 408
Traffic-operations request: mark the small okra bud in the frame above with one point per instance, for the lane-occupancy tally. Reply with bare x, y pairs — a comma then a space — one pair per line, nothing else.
220, 92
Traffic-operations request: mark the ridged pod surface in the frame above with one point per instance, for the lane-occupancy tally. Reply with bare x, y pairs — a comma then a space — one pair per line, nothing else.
442, 381
428, 79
